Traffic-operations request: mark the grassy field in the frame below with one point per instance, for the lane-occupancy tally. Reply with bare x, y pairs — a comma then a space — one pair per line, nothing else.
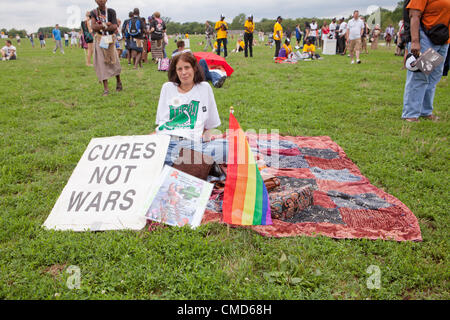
51, 106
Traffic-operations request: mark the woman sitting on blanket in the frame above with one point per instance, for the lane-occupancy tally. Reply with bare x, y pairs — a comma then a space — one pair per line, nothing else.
187, 110
286, 50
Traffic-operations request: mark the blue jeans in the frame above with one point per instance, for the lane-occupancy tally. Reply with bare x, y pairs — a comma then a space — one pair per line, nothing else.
216, 149
225, 42
210, 76
419, 87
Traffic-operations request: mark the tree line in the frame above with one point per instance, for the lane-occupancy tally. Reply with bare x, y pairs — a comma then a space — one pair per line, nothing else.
266, 25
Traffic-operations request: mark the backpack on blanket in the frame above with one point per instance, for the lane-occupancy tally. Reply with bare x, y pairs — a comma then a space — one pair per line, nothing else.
163, 64
134, 27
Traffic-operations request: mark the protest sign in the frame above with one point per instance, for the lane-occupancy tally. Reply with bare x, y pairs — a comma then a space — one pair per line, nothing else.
109, 188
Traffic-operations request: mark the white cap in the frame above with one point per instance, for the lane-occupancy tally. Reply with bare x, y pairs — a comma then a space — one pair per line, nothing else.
410, 63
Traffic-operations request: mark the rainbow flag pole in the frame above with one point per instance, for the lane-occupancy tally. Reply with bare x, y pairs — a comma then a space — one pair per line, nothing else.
246, 200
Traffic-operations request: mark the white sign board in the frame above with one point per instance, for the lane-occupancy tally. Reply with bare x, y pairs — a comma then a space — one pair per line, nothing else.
329, 46
110, 186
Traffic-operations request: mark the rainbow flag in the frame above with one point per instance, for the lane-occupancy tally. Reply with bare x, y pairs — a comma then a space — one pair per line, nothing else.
246, 201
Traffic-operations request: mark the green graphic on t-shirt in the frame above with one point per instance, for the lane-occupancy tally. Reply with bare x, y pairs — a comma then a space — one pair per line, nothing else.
182, 117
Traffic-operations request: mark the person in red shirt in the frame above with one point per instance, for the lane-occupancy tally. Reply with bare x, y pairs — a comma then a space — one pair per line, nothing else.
325, 32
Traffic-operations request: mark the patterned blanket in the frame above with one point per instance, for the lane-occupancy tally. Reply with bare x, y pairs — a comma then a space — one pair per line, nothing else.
345, 204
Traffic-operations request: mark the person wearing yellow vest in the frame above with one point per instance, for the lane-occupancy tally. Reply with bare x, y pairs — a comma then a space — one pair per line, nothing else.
277, 35
249, 27
222, 33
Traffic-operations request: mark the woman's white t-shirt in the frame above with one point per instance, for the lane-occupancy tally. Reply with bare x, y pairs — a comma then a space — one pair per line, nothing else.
187, 114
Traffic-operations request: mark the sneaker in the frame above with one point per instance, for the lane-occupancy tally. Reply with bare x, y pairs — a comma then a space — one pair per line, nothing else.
353, 62
220, 82
358, 61
4, 59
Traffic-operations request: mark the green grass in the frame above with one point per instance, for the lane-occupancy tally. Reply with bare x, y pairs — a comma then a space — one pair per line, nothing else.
51, 107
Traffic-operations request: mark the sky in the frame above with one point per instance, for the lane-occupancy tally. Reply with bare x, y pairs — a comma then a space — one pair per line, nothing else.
32, 14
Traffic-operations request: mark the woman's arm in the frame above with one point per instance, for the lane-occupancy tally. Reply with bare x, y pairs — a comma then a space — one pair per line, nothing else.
207, 135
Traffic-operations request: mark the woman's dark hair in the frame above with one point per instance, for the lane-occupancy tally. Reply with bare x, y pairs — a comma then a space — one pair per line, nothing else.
189, 58
180, 44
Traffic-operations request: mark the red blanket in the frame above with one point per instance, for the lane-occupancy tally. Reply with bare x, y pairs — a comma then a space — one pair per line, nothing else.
345, 205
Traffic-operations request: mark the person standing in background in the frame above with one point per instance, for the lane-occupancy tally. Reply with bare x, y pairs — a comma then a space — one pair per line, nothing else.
127, 36
325, 32
209, 34
157, 29
355, 29
66, 39
119, 38
41, 40
388, 35
333, 28
86, 28
375, 35
106, 60
277, 36
136, 32
248, 36
56, 35
306, 32
400, 44
222, 34
420, 88
364, 36
31, 37
313, 32
298, 35
261, 36
341, 36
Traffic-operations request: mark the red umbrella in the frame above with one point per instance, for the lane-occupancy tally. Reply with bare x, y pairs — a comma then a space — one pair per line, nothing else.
213, 59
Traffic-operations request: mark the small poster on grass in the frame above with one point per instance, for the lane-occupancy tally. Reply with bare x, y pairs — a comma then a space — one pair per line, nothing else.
178, 199
110, 186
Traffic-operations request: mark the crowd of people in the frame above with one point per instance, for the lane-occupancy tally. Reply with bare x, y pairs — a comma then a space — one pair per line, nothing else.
102, 33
